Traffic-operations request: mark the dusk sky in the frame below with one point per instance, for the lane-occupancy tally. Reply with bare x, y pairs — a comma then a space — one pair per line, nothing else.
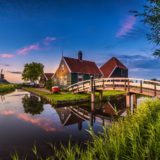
38, 30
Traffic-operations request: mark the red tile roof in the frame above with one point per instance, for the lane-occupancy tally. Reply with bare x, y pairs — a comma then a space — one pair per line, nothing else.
82, 66
110, 65
48, 75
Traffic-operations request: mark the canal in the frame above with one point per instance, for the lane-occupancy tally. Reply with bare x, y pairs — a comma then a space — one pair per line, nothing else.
26, 119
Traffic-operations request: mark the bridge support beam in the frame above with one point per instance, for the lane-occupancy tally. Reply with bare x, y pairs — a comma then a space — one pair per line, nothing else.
128, 100
131, 100
100, 96
92, 97
134, 100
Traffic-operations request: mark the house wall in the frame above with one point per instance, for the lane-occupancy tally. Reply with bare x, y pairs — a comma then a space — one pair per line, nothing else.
62, 76
74, 77
118, 72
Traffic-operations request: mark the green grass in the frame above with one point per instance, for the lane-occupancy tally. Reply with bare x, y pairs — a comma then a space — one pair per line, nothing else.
136, 137
69, 97
57, 97
6, 88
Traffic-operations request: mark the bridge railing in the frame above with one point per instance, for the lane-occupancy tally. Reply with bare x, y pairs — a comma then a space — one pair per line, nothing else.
128, 84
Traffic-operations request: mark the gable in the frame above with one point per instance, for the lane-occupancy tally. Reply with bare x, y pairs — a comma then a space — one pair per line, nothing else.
63, 69
109, 67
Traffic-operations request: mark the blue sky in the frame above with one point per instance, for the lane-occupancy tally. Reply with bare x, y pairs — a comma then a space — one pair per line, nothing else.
38, 30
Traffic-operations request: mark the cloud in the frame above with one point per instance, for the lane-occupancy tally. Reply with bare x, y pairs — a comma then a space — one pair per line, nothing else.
14, 72
48, 40
127, 26
27, 49
6, 65
6, 55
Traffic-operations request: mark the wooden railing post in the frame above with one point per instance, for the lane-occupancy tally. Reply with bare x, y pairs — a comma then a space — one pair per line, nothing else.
92, 90
125, 85
141, 86
155, 93
103, 84
113, 84
128, 86
77, 88
83, 86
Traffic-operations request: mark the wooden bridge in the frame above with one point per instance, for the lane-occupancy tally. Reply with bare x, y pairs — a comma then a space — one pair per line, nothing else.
130, 85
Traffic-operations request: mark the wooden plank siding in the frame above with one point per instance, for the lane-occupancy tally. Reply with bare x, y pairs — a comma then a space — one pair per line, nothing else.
62, 76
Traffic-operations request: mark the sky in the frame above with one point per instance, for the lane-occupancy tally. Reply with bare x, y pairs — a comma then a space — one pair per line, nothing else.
40, 30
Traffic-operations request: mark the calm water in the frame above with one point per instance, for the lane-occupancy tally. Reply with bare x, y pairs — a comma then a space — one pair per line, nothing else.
25, 120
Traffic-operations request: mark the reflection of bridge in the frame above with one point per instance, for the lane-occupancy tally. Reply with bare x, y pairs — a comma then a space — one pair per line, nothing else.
131, 85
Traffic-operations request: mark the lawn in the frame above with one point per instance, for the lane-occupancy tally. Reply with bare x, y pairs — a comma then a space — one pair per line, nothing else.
59, 97
67, 97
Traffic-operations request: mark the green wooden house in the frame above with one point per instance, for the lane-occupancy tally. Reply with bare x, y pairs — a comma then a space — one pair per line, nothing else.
72, 70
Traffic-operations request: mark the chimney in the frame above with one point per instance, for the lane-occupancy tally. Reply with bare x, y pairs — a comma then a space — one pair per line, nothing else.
80, 55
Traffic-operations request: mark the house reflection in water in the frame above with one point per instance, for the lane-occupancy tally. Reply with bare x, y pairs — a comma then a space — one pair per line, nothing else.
96, 113
68, 117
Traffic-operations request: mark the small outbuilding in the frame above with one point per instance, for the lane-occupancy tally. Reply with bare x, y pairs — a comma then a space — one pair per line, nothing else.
45, 77
114, 68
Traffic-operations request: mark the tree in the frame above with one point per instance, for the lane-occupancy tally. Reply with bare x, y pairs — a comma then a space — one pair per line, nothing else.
32, 71
151, 16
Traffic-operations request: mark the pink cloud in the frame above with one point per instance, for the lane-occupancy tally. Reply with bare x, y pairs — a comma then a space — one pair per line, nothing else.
43, 123
6, 55
127, 26
25, 50
48, 40
7, 113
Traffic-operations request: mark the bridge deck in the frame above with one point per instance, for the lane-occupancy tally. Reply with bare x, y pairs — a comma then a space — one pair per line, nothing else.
138, 86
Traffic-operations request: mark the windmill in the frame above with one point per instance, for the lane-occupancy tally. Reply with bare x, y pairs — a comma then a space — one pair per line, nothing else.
1, 74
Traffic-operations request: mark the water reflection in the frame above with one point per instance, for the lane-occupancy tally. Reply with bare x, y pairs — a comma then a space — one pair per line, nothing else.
30, 120
2, 98
32, 104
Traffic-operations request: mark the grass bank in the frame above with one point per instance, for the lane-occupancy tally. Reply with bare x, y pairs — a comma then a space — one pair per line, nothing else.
6, 88
136, 137
67, 97
57, 98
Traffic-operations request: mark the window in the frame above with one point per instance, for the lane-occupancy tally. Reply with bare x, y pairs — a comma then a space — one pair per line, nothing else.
122, 72
62, 67
80, 77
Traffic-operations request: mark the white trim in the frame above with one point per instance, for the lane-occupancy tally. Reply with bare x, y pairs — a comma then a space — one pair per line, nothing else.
66, 64
112, 71
52, 76
45, 76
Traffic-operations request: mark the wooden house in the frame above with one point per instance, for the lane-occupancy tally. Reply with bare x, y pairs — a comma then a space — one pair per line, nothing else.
72, 70
45, 77
114, 68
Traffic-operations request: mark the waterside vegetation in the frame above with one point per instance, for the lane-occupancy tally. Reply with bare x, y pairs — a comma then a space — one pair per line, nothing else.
6, 88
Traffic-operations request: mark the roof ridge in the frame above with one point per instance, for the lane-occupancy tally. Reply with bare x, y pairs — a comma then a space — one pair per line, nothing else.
80, 60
